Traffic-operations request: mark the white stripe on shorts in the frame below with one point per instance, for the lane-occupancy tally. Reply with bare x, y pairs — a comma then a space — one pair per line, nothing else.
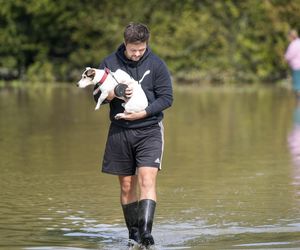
163, 142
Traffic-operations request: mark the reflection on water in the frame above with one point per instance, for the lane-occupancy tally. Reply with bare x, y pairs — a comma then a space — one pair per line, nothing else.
294, 136
294, 145
227, 182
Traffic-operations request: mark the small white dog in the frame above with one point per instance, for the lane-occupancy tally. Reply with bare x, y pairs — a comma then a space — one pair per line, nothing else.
108, 80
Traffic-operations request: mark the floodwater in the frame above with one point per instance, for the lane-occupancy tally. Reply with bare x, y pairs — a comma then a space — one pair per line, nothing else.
230, 177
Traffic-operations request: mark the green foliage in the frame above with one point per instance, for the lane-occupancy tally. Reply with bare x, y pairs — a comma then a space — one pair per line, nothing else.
40, 72
201, 41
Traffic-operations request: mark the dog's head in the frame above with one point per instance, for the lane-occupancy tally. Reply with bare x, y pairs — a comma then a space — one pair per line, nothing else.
87, 77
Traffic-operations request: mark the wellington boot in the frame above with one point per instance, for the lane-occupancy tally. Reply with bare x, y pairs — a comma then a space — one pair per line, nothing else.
145, 220
130, 212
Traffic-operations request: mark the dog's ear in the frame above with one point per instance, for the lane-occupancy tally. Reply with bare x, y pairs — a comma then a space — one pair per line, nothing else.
90, 73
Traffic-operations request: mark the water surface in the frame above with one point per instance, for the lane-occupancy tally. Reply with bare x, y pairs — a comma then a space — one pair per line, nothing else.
230, 177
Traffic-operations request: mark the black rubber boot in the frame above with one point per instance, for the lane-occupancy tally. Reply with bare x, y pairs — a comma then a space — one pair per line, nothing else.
130, 212
146, 216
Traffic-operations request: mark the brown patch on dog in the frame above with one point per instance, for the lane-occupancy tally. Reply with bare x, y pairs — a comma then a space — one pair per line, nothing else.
90, 73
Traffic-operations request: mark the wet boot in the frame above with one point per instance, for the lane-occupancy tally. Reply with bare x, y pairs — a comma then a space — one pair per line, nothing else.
130, 212
145, 221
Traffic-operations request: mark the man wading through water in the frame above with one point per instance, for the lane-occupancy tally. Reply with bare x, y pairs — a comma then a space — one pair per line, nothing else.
134, 145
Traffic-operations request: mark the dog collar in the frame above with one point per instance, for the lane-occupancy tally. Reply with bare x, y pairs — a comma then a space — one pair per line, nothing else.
106, 73
102, 80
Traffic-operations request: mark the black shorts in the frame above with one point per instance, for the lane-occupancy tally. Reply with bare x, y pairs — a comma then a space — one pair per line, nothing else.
127, 149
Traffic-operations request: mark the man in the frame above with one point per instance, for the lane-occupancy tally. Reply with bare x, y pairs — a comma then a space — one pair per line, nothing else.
134, 145
292, 56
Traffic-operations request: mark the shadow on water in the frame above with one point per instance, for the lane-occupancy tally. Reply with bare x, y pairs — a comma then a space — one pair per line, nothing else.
228, 180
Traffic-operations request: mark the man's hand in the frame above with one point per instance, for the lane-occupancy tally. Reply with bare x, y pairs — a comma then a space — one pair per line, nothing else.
131, 116
128, 91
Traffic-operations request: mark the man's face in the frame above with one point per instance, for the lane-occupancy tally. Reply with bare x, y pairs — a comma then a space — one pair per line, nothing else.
135, 51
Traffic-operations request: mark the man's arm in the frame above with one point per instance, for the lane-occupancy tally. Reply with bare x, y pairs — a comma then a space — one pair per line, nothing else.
163, 90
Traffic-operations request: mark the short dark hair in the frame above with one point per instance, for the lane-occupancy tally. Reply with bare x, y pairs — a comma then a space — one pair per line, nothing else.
136, 33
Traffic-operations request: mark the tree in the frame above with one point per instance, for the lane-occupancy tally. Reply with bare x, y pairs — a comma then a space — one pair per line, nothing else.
201, 41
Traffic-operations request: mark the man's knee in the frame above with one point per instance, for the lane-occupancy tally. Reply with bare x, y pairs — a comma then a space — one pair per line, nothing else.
147, 177
147, 183
128, 185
